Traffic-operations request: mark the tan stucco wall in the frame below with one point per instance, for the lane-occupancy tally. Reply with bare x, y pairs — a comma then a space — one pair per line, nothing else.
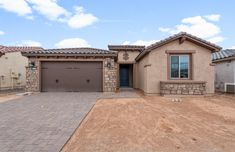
142, 73
12, 65
132, 56
135, 77
202, 70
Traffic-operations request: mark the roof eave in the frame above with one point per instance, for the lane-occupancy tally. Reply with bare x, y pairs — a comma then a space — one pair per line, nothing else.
126, 47
66, 54
194, 40
224, 59
211, 47
141, 55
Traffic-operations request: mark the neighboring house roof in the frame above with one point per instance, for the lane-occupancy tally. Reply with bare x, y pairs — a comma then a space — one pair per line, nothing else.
1, 49
71, 51
223, 55
182, 36
126, 47
9, 49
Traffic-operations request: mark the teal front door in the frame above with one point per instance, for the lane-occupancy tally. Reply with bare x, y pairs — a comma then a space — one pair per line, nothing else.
124, 75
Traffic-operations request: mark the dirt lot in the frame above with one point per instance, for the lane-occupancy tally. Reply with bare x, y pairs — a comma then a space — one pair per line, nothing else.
8, 97
150, 124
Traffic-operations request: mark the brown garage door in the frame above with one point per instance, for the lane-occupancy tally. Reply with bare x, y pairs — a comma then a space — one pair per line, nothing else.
71, 76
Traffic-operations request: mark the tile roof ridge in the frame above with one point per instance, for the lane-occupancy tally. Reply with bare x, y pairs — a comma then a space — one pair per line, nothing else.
76, 48
23, 47
182, 34
128, 45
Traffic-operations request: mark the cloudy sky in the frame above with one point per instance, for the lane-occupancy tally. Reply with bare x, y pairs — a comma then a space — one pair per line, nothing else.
89, 23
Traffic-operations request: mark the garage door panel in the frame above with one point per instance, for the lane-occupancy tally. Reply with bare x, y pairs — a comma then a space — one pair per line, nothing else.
53, 80
71, 76
89, 82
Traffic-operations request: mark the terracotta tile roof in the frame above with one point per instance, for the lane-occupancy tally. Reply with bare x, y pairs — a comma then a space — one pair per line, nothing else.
126, 47
223, 54
207, 44
70, 51
9, 49
1, 48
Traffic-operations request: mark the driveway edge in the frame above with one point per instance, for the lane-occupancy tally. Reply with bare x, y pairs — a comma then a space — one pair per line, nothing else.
79, 125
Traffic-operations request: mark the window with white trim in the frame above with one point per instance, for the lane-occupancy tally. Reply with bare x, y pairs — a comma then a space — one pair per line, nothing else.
179, 67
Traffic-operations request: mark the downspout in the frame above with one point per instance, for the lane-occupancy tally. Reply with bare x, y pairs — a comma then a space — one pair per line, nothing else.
12, 85
1, 54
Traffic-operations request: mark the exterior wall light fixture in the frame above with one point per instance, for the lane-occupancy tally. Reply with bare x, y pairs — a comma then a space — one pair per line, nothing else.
109, 65
32, 65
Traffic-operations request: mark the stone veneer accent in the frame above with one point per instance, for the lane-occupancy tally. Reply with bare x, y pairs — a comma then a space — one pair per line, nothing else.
32, 77
109, 74
183, 88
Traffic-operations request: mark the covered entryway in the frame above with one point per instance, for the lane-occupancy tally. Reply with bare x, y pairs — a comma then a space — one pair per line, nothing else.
71, 76
126, 75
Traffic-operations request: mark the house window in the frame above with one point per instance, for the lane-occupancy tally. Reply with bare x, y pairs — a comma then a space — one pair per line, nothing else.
179, 66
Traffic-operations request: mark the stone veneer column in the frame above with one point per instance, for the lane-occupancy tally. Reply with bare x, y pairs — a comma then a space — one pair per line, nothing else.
110, 76
32, 77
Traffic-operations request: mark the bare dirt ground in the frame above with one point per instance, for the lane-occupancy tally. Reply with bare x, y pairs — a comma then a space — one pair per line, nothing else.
8, 97
157, 124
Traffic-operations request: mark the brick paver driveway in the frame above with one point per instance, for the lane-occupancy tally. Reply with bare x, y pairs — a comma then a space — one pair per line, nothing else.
42, 122
45, 121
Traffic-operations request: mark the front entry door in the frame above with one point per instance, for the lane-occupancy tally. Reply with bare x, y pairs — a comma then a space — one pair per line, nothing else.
124, 75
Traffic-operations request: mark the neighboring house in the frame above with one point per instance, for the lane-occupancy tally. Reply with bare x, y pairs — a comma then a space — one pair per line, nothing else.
180, 64
12, 67
224, 70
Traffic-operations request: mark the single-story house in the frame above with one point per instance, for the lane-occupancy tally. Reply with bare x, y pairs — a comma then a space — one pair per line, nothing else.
180, 64
224, 70
12, 67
